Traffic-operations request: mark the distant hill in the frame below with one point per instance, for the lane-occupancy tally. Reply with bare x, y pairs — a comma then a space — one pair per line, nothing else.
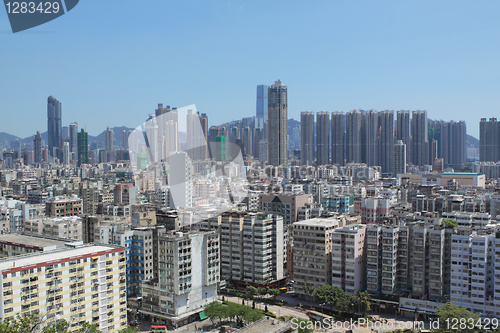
472, 142
6, 137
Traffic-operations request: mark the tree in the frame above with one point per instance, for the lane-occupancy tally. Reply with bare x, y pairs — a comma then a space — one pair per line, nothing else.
449, 223
250, 291
309, 290
331, 296
215, 311
448, 314
274, 292
130, 329
363, 301
20, 324
262, 291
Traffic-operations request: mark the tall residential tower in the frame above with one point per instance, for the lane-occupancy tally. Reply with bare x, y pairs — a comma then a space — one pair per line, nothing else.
277, 124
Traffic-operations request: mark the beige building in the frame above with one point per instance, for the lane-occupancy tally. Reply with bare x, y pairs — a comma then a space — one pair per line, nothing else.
312, 253
285, 204
82, 284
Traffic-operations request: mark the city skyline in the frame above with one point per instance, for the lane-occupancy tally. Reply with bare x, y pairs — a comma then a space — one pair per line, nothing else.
399, 56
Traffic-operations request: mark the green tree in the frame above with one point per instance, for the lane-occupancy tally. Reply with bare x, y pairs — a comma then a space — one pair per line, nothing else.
250, 291
215, 311
262, 291
251, 315
331, 296
448, 314
309, 290
449, 223
130, 329
20, 324
363, 301
275, 292
61, 326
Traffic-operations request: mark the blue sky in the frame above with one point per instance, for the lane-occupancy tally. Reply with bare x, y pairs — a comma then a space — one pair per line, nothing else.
111, 62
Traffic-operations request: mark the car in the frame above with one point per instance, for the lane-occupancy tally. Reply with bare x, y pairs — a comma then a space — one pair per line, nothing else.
133, 323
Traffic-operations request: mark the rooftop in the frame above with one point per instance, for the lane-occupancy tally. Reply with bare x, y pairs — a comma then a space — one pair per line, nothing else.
319, 222
45, 258
462, 174
34, 240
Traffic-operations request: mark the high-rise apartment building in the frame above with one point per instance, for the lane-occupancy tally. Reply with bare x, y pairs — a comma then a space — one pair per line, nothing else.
73, 138
188, 276
54, 126
277, 124
307, 138
252, 246
338, 137
323, 138
109, 139
489, 140
65, 153
312, 254
83, 147
247, 140
353, 136
451, 141
399, 158
348, 258
403, 132
37, 147
386, 156
262, 105
419, 138
82, 284
369, 138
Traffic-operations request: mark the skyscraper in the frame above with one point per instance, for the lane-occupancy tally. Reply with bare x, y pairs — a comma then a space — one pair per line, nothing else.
109, 139
37, 147
338, 136
386, 156
258, 135
403, 131
168, 123
54, 126
83, 147
369, 137
489, 140
419, 139
323, 138
307, 138
277, 124
65, 153
204, 129
399, 158
262, 104
246, 138
73, 131
353, 136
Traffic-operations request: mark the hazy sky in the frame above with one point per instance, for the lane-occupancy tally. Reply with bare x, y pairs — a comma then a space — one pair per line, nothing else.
111, 62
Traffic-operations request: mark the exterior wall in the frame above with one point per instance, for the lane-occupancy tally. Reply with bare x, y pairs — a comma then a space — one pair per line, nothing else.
76, 285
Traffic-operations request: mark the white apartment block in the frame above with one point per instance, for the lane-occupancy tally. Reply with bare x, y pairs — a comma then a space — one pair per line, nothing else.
312, 253
69, 227
82, 284
188, 274
475, 273
252, 246
348, 258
